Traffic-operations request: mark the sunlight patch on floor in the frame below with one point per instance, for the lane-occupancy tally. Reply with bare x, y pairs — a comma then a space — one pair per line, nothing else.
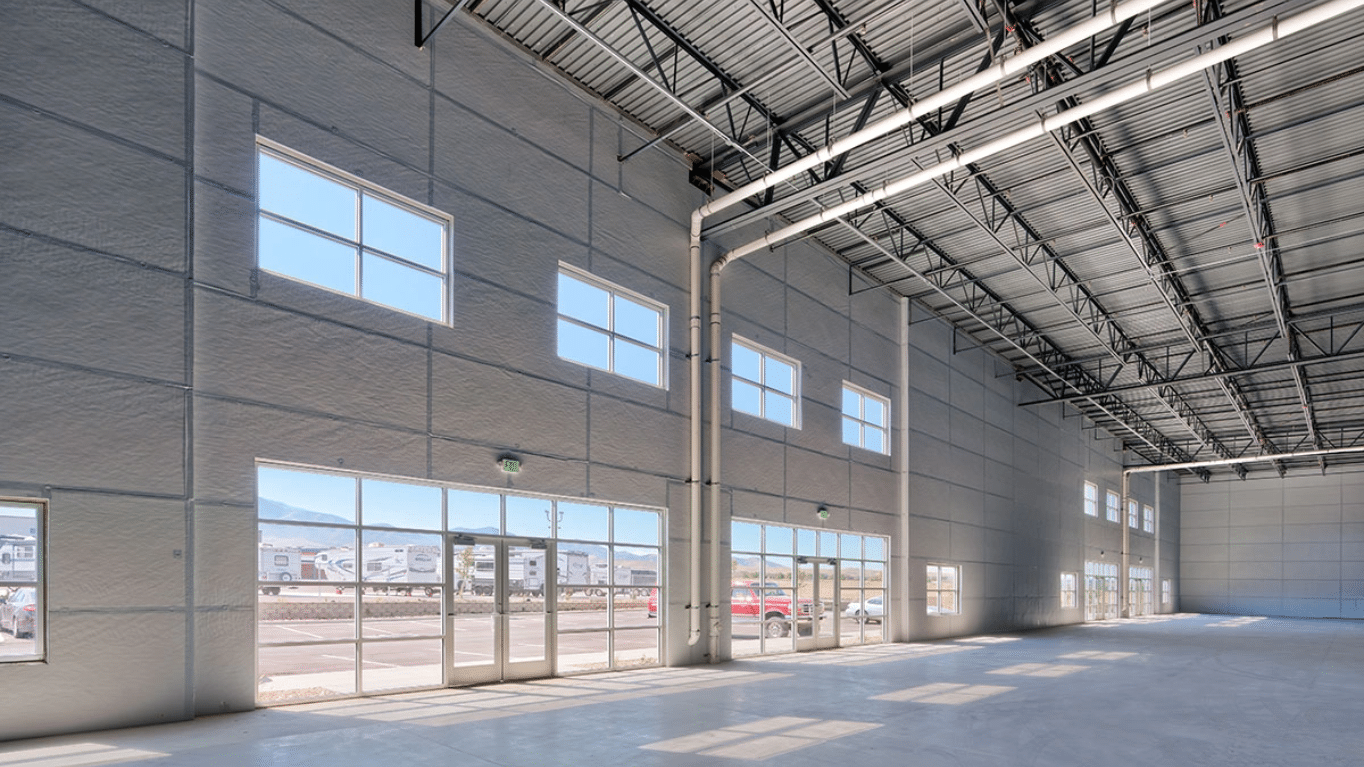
761, 739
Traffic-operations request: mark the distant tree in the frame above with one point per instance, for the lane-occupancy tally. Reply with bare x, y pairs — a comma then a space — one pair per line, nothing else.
464, 567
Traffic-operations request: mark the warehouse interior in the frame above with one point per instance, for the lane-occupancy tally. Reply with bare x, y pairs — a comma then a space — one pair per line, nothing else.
363, 360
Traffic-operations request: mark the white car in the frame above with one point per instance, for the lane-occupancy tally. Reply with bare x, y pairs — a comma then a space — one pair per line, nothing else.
870, 611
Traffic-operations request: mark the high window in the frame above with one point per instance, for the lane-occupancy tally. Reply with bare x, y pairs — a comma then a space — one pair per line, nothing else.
610, 328
320, 225
1113, 506
1148, 519
866, 419
765, 384
944, 590
1091, 499
1133, 518
1101, 590
1069, 590
22, 600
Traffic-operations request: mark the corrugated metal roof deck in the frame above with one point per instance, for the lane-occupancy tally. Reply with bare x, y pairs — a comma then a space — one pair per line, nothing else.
1142, 251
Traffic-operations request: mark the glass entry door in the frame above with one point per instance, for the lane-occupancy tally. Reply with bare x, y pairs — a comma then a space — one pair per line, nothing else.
497, 609
817, 596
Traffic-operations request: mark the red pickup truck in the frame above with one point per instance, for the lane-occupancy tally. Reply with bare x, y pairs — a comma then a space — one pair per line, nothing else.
746, 606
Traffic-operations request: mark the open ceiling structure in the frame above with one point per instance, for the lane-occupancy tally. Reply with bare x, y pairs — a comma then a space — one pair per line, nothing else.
1184, 268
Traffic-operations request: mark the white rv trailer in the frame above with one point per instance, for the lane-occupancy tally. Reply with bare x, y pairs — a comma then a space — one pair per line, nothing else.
573, 569
386, 568
640, 580
526, 570
18, 558
279, 564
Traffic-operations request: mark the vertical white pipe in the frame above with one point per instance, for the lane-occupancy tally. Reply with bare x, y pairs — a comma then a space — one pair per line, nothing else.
902, 461
1124, 598
1157, 583
718, 593
694, 395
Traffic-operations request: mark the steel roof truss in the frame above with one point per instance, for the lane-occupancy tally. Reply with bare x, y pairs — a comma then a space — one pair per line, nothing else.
989, 311
1151, 256
785, 34
1224, 91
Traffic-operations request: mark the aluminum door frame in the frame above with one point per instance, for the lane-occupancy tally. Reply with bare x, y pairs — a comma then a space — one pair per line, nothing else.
502, 668
821, 611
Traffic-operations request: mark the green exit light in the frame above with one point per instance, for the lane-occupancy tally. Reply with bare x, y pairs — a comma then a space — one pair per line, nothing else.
511, 465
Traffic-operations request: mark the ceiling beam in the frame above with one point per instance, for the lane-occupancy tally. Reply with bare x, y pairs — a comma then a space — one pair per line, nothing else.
991, 123
1207, 376
1152, 256
793, 44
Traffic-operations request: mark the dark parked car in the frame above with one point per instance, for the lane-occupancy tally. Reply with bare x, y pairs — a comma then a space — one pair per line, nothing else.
18, 613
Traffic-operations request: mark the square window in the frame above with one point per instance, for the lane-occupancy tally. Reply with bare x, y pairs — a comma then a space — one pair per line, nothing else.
1069, 590
23, 609
327, 228
764, 383
866, 419
944, 589
1091, 499
604, 326
1113, 506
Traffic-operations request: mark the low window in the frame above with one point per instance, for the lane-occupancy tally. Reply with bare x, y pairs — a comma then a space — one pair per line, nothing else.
1139, 591
1148, 519
1101, 590
944, 590
1069, 590
1091, 499
23, 613
866, 419
764, 383
325, 227
1113, 506
609, 328
1165, 591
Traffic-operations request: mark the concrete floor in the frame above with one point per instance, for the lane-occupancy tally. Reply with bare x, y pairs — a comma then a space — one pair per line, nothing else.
1171, 690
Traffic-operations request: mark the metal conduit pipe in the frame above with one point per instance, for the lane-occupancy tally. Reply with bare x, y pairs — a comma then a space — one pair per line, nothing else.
1151, 82
995, 73
902, 461
717, 593
694, 396
1124, 575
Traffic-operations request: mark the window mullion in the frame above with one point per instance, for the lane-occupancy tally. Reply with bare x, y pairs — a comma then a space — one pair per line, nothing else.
308, 229
359, 253
400, 261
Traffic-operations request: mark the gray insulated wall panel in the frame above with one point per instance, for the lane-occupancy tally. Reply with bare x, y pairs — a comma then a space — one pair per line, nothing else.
1271, 546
